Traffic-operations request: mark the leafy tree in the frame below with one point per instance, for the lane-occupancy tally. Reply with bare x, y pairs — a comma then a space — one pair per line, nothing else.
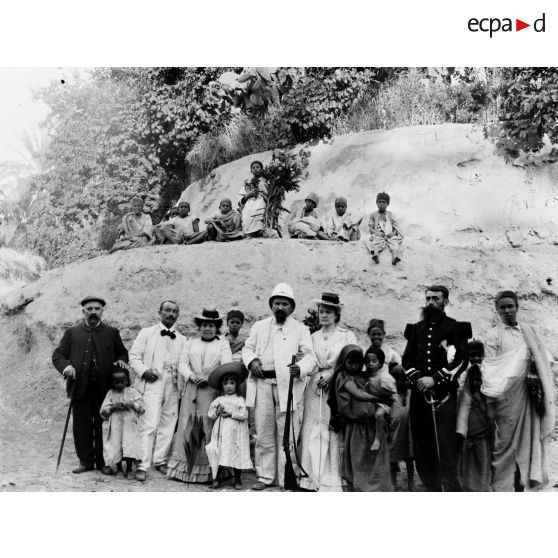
528, 110
94, 164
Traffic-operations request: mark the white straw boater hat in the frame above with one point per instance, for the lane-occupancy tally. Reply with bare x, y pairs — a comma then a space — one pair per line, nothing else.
283, 290
328, 299
209, 316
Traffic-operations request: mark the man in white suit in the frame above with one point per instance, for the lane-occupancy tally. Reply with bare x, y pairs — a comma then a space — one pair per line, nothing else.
267, 354
154, 359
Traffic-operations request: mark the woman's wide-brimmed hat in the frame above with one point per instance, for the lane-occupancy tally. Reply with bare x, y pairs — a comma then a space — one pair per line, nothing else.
209, 316
237, 369
328, 299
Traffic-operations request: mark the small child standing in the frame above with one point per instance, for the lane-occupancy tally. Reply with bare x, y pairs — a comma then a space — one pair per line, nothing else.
353, 411
121, 437
474, 427
382, 385
230, 443
384, 230
401, 444
235, 321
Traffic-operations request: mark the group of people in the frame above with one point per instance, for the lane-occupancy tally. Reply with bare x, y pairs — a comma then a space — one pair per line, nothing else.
471, 415
251, 220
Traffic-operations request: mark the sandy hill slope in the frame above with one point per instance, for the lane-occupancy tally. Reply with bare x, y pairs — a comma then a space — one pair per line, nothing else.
457, 202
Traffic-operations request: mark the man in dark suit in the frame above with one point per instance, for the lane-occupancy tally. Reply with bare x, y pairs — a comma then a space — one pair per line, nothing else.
433, 387
84, 357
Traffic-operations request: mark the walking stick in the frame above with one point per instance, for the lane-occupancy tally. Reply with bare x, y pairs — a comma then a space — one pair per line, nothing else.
66, 425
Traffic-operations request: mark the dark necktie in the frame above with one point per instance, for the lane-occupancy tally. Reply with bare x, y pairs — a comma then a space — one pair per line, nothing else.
171, 334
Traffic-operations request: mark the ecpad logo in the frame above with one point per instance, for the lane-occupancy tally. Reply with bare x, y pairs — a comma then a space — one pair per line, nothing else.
492, 25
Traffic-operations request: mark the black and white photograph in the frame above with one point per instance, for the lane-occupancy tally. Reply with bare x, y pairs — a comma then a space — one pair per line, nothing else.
279, 279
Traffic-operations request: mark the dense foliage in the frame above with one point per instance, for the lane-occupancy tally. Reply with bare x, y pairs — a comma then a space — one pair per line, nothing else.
529, 109
152, 131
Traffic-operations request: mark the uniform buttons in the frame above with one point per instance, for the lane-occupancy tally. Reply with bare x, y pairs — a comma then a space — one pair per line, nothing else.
427, 352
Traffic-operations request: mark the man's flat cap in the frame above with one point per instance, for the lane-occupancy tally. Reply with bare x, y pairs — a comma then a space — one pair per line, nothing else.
93, 299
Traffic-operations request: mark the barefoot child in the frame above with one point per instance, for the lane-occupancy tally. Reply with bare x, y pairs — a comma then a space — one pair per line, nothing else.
474, 428
382, 385
229, 436
384, 230
353, 412
120, 410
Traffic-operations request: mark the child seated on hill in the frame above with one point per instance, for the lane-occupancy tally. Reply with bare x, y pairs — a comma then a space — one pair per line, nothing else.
340, 224
384, 231
223, 226
305, 222
179, 229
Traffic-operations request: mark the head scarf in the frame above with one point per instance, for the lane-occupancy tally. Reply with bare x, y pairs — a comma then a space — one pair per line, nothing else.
336, 420
341, 199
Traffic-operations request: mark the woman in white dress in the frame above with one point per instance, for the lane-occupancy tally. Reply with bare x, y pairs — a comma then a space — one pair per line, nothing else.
321, 447
199, 358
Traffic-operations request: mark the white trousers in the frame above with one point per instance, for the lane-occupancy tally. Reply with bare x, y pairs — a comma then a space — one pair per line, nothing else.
157, 424
377, 244
270, 423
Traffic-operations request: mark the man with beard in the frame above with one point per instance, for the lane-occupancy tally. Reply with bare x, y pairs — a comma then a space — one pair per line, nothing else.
267, 353
84, 357
154, 359
518, 383
433, 389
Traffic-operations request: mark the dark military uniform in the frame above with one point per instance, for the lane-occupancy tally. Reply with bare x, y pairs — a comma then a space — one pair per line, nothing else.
91, 351
426, 352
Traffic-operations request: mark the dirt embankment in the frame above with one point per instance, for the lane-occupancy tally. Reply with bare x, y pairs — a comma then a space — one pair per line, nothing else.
460, 207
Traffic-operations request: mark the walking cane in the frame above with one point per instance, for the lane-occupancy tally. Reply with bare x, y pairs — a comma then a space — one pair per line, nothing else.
432, 403
320, 459
66, 425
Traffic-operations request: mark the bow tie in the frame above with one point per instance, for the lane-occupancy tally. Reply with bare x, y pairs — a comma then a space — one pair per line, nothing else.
168, 332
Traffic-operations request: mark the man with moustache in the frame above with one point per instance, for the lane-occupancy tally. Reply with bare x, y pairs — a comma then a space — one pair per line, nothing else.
434, 386
518, 383
267, 354
154, 359
84, 357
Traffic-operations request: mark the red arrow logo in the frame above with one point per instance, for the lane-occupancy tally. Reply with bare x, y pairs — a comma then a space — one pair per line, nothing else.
519, 25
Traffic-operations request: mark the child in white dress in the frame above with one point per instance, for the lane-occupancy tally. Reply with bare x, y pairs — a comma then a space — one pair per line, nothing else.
230, 434
120, 410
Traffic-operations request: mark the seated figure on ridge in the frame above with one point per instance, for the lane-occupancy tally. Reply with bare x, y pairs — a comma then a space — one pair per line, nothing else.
305, 222
252, 203
340, 224
135, 229
385, 231
222, 226
179, 229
